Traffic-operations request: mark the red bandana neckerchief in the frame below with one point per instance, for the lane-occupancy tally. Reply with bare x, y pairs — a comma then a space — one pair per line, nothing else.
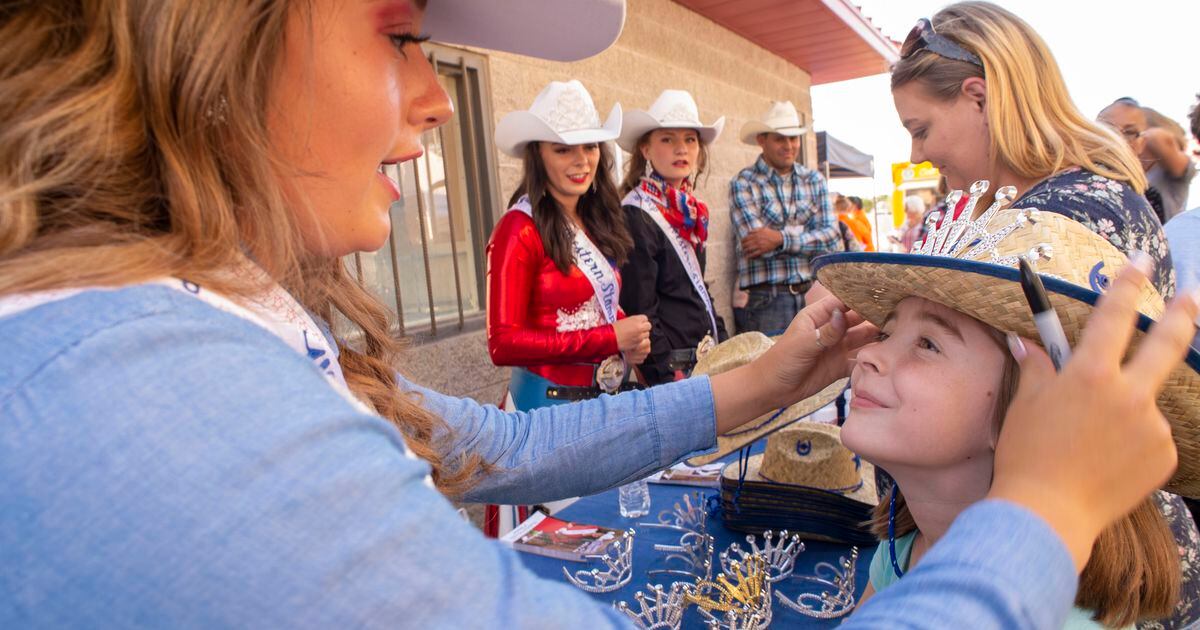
687, 214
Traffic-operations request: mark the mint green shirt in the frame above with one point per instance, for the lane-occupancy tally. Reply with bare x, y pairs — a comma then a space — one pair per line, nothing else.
883, 576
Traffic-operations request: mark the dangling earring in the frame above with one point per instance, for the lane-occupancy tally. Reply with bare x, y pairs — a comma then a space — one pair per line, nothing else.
649, 170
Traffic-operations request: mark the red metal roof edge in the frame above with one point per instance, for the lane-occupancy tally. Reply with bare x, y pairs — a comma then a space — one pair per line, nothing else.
853, 17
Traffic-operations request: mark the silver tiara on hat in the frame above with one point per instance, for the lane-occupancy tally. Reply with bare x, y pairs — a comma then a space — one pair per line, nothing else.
965, 237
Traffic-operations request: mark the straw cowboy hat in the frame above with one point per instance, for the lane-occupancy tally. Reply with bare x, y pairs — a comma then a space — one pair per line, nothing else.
580, 28
674, 109
970, 265
807, 482
738, 351
811, 455
562, 113
781, 118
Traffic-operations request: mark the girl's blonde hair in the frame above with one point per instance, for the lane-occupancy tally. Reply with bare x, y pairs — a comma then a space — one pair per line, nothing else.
1035, 128
1133, 573
136, 146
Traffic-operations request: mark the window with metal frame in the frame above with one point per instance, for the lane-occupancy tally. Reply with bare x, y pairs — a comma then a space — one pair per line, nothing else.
430, 273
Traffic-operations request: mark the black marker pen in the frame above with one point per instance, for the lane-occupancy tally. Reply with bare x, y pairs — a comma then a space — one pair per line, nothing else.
1049, 327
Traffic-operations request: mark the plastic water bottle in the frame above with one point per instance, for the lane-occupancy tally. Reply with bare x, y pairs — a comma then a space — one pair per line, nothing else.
635, 499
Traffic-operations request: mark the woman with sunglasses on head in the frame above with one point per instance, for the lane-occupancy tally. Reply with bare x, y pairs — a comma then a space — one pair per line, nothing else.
664, 277
553, 285
186, 443
983, 99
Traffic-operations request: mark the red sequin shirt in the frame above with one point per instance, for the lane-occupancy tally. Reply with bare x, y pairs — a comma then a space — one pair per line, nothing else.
537, 317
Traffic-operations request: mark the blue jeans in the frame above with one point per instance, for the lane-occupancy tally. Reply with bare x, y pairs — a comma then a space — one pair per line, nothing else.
769, 310
529, 390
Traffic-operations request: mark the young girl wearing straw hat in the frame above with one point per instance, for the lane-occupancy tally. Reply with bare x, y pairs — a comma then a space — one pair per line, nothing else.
664, 276
553, 285
930, 395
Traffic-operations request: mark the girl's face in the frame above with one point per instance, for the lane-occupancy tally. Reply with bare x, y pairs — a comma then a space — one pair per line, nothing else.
952, 135
674, 153
925, 394
353, 92
570, 169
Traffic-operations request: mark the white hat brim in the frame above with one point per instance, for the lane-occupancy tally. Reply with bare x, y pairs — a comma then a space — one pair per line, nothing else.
638, 122
518, 129
751, 129
563, 30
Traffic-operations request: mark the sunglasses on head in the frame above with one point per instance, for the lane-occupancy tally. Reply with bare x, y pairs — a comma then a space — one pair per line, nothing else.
922, 37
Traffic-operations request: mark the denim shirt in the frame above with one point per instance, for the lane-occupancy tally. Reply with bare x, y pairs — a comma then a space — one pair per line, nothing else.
165, 464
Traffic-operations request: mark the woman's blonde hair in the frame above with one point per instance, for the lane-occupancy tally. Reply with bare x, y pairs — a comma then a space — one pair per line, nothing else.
136, 146
1133, 573
1035, 128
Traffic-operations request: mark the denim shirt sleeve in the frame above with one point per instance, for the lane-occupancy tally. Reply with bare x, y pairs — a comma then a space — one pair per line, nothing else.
580, 448
168, 465
999, 566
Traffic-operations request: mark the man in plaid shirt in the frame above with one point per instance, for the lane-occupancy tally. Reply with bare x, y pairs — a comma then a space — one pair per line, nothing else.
783, 219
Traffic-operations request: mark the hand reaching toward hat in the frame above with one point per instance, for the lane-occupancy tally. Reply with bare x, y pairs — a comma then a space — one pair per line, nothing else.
1084, 447
812, 353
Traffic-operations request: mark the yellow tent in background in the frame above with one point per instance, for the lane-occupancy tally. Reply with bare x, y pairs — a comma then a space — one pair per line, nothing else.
907, 176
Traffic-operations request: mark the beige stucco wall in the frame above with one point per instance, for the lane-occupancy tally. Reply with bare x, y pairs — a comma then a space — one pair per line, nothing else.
664, 45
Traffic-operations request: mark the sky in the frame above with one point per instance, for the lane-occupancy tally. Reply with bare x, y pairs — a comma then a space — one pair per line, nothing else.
1105, 50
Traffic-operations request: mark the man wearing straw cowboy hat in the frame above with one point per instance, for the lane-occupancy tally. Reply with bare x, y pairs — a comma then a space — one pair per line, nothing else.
783, 219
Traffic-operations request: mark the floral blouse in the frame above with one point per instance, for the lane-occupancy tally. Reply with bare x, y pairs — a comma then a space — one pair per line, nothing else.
1118, 213
1111, 209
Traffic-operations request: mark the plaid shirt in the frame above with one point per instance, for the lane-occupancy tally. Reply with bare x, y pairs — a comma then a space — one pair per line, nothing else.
808, 223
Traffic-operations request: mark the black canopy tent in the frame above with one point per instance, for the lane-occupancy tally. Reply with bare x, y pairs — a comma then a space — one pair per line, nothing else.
838, 159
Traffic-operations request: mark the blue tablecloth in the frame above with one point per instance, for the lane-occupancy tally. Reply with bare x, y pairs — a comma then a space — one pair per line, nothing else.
602, 509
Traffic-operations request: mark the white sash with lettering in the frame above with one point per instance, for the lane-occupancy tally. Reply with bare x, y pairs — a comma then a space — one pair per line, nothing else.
683, 249
593, 264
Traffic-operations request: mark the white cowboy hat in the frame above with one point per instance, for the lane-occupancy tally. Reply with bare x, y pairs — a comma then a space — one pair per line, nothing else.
562, 113
782, 119
562, 30
674, 109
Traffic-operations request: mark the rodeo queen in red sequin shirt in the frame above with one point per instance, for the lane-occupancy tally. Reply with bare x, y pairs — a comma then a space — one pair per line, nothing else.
553, 287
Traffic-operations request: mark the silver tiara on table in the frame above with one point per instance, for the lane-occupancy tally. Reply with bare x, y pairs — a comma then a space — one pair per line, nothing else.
686, 516
618, 567
780, 556
694, 552
837, 590
661, 609
695, 548
966, 237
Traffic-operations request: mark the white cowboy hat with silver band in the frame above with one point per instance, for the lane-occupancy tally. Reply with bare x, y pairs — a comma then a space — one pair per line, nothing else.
781, 118
562, 30
562, 113
674, 109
